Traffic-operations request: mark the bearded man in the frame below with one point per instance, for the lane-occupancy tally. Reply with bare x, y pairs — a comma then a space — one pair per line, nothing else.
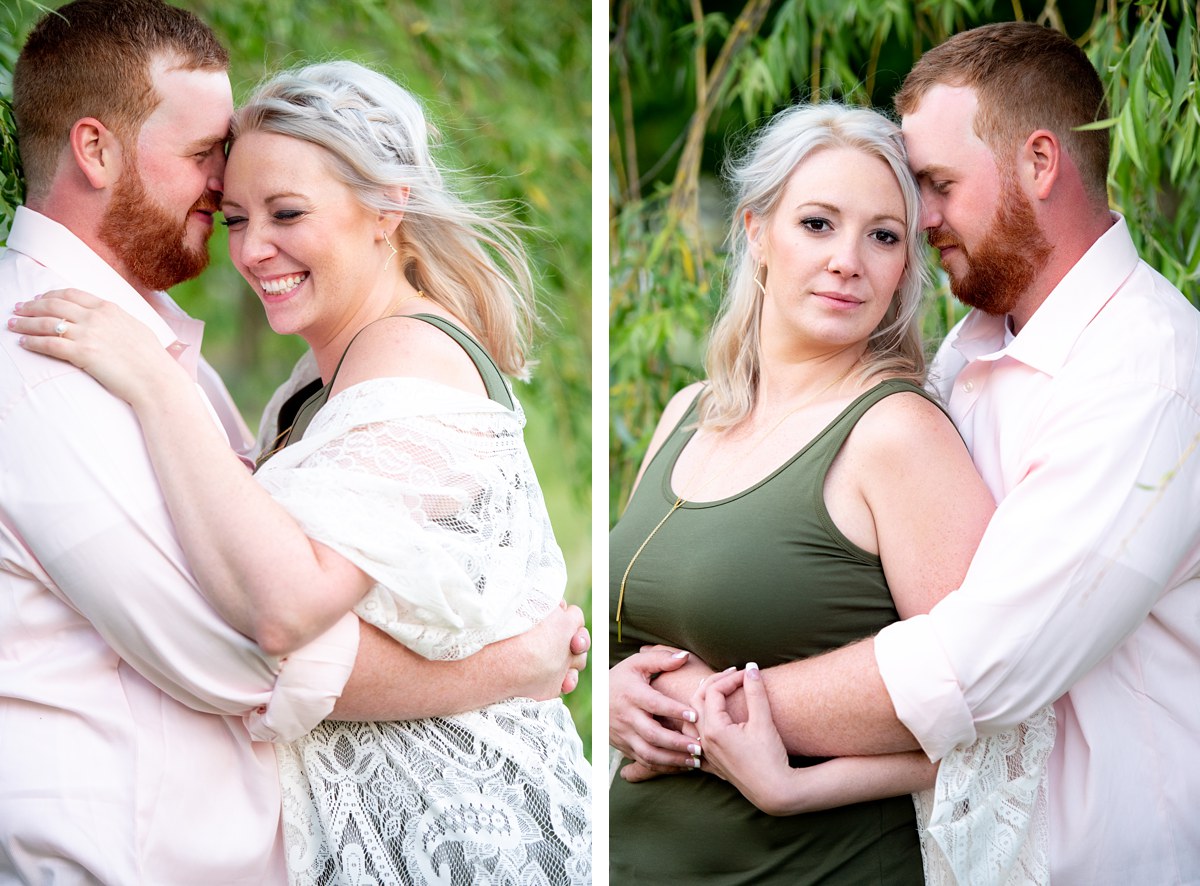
124, 756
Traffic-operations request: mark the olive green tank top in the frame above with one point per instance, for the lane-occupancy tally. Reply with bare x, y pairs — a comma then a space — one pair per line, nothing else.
764, 576
297, 412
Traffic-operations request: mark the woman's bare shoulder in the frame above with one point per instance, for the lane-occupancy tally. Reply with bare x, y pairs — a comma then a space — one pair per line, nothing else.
678, 405
906, 424
408, 347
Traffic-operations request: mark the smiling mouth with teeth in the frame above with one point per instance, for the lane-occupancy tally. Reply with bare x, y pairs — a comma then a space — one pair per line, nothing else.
283, 284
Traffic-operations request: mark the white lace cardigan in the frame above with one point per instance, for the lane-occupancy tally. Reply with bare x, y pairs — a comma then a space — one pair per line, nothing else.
430, 491
986, 820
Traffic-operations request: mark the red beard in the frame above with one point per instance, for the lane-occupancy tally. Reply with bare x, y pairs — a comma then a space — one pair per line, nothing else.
1007, 261
151, 242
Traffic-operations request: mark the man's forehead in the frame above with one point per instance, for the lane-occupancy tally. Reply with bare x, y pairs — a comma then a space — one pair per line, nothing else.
943, 99
198, 102
940, 126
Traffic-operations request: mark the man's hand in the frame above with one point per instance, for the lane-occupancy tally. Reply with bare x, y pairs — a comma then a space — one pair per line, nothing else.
644, 723
391, 682
581, 644
553, 653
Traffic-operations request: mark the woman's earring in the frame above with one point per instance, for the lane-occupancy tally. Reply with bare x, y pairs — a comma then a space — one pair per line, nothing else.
758, 269
391, 246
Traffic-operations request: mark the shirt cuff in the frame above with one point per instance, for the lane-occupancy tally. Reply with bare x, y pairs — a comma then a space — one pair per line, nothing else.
923, 686
310, 681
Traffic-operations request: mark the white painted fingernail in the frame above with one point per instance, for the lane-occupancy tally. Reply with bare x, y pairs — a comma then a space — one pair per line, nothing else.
680, 655
752, 666
694, 762
690, 716
694, 750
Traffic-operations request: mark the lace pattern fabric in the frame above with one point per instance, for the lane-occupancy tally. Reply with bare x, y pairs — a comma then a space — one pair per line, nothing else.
431, 492
496, 796
987, 818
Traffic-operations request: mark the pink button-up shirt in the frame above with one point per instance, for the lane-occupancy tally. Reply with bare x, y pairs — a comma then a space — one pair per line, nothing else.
124, 757
1087, 582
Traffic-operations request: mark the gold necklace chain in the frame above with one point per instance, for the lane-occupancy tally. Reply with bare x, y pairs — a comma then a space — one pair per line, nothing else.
624, 578
680, 501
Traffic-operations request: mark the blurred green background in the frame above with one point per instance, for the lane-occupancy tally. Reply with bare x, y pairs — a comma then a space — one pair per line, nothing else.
691, 79
508, 83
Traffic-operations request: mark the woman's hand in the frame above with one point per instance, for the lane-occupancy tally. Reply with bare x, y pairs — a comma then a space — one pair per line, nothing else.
635, 707
100, 338
749, 755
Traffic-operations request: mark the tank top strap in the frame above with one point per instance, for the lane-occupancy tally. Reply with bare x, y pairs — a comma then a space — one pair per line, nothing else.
298, 412
830, 442
493, 378
664, 459
817, 455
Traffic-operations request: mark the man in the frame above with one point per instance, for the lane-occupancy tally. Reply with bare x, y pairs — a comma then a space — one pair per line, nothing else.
1076, 385
123, 754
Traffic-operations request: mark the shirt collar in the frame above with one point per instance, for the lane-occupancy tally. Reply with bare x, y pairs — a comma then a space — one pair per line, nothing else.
1047, 339
54, 246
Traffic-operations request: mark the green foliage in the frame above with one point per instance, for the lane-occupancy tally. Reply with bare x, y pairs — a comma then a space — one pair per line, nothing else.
1148, 57
508, 85
665, 266
12, 185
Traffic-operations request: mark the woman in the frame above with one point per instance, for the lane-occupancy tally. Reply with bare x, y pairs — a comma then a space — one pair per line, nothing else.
804, 497
400, 486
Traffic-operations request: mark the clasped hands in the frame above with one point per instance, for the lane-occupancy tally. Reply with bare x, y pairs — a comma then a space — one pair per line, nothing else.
725, 726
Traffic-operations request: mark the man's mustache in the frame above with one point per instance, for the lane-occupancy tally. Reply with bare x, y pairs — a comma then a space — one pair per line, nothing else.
210, 201
941, 240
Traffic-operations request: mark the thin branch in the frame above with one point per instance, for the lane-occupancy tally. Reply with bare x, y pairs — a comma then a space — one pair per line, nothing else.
684, 206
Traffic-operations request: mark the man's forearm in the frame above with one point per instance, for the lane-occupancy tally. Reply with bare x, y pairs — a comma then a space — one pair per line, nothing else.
391, 682
836, 704
828, 706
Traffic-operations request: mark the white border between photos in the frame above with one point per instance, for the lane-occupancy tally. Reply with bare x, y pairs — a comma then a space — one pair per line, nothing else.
598, 660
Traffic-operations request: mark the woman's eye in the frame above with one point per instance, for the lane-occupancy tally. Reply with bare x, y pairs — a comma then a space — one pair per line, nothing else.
234, 221
887, 237
816, 224
288, 214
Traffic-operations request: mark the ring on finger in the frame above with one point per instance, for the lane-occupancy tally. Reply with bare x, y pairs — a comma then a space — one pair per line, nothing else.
60, 328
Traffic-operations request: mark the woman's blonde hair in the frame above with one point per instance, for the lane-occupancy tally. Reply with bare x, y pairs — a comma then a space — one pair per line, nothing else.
465, 257
758, 179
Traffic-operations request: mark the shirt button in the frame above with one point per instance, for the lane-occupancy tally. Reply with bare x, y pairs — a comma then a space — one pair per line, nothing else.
968, 386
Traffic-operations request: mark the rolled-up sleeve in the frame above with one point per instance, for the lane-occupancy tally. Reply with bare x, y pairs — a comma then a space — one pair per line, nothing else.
309, 684
923, 686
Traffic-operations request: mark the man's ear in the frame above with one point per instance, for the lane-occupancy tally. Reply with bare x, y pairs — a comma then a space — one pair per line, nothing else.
1041, 159
97, 152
